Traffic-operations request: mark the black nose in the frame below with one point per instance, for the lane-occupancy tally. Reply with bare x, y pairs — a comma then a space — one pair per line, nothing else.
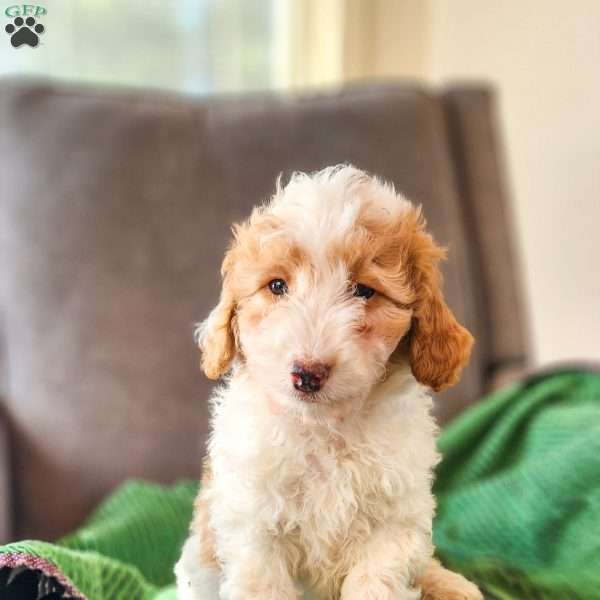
309, 377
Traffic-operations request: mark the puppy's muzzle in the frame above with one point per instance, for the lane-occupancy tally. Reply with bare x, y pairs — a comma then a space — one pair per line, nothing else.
309, 377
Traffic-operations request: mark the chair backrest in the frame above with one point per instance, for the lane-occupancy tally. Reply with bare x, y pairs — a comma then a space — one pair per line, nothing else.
115, 210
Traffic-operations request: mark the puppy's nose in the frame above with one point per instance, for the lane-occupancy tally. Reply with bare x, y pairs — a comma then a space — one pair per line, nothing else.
309, 377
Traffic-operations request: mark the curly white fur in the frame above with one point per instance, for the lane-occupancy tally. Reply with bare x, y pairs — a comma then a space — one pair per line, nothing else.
331, 495
285, 495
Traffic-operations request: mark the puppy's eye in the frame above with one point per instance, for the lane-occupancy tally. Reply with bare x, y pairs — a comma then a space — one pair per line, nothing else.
363, 291
278, 287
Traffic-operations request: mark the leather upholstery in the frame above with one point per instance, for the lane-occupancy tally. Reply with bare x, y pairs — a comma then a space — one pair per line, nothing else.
115, 210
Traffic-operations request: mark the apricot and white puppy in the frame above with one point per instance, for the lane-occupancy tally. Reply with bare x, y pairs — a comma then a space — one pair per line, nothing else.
331, 325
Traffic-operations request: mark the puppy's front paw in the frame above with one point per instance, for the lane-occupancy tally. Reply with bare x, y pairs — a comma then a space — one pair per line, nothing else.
257, 587
194, 580
460, 590
439, 583
375, 589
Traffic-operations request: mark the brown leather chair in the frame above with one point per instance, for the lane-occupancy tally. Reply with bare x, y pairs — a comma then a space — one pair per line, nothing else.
114, 213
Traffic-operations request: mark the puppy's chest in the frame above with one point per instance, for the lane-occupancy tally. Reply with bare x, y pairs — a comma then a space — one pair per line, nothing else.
329, 486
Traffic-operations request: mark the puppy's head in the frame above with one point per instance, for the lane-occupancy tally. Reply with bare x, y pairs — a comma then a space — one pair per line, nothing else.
325, 287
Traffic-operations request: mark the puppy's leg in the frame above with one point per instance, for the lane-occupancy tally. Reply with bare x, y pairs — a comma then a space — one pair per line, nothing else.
387, 564
198, 573
256, 569
195, 581
438, 583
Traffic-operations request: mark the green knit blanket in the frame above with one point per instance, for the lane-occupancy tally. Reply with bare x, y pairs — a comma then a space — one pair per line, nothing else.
519, 509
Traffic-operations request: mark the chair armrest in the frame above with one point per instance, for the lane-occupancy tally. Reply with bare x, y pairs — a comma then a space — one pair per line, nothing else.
476, 150
5, 481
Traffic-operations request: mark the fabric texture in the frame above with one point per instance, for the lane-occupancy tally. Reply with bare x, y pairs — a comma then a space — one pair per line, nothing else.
126, 551
518, 492
115, 211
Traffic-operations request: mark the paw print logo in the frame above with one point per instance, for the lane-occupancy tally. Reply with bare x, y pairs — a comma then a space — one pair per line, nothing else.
24, 32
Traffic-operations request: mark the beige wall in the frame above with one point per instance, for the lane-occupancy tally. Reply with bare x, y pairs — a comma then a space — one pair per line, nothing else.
543, 56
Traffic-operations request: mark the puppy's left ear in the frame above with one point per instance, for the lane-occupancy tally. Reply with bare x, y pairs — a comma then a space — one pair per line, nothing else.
439, 347
215, 336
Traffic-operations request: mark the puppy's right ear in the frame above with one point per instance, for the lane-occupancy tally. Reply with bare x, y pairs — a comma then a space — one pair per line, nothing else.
215, 336
439, 345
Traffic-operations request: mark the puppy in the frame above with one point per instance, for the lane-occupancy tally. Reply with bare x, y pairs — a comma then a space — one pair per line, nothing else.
330, 327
